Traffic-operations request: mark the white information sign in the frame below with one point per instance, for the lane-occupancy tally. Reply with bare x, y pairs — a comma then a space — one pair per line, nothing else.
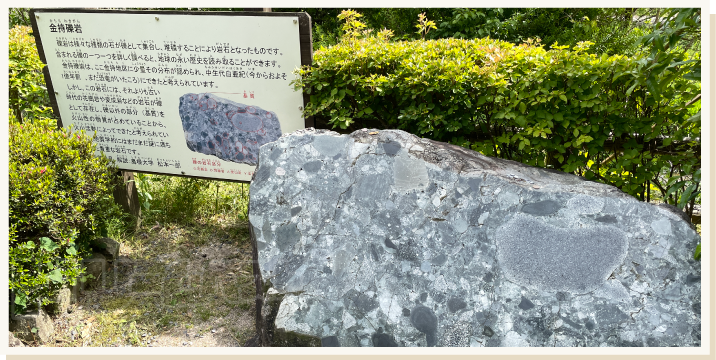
193, 95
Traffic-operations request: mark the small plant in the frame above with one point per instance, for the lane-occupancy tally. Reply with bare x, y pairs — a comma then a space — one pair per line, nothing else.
424, 25
143, 189
352, 27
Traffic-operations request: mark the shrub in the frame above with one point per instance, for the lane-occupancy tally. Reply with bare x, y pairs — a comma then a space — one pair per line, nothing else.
60, 195
28, 94
171, 199
614, 119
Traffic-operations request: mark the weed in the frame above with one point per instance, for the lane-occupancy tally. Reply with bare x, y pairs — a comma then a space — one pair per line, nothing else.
167, 199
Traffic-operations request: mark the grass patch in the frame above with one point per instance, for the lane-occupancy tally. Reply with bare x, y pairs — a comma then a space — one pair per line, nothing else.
184, 275
186, 200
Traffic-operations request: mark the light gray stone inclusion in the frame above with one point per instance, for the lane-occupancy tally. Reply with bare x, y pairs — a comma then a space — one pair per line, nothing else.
410, 173
381, 238
542, 256
226, 129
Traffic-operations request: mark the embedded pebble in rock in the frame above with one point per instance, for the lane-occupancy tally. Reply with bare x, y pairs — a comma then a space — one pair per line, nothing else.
380, 238
229, 130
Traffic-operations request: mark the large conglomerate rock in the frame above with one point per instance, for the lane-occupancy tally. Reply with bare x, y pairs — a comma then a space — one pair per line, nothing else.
229, 130
381, 238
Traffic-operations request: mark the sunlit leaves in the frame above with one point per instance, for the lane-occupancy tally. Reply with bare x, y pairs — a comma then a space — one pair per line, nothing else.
563, 108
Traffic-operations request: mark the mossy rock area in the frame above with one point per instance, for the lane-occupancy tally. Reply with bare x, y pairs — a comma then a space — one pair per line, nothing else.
280, 337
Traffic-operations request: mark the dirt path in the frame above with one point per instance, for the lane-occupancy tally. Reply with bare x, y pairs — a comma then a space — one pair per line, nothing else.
171, 286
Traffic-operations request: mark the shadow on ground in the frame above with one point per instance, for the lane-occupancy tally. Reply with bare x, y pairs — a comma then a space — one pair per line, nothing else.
172, 285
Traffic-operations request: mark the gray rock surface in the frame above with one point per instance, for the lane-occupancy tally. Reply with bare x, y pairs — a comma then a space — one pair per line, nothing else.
380, 238
61, 302
14, 342
33, 327
96, 266
229, 130
107, 247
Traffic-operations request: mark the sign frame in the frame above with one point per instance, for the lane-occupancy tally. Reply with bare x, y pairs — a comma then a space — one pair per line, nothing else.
305, 44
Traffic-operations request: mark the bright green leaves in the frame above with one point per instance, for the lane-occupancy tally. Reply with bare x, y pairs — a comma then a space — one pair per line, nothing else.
697, 252
28, 96
424, 25
55, 276
58, 188
351, 26
567, 109
48, 245
21, 299
582, 139
687, 195
652, 85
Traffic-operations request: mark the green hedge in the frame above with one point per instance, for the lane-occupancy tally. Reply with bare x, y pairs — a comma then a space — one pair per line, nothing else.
28, 95
60, 194
559, 108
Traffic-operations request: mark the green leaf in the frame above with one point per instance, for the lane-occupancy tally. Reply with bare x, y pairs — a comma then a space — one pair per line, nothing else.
368, 110
71, 250
576, 132
564, 98
55, 276
697, 252
523, 107
33, 330
652, 85
21, 299
694, 74
674, 188
696, 118
48, 244
686, 196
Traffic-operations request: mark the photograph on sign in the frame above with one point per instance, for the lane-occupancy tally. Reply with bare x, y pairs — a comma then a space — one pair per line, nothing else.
193, 95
